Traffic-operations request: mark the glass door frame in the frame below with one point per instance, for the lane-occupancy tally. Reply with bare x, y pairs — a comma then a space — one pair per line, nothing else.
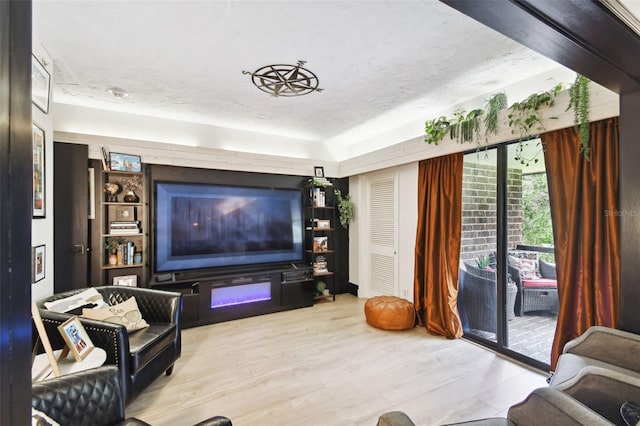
500, 345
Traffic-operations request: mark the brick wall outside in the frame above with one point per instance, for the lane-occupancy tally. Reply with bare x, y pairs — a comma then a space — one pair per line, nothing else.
479, 235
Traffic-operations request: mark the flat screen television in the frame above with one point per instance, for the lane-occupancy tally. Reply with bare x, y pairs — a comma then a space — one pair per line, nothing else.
199, 226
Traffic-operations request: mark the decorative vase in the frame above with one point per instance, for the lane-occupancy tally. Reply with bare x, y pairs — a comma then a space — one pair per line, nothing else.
131, 197
113, 259
137, 257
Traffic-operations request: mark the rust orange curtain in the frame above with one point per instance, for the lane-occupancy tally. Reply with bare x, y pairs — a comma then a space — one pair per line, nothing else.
437, 249
583, 196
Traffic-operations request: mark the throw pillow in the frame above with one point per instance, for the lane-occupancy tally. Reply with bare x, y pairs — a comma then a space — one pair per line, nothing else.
126, 313
38, 418
90, 296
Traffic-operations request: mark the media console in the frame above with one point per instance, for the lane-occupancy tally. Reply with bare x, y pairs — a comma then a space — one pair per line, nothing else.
211, 297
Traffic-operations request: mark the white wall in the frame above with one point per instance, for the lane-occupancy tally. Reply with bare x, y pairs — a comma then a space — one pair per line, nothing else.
42, 229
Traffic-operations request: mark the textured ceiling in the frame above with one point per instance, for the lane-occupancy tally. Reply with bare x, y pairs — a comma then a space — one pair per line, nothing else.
382, 64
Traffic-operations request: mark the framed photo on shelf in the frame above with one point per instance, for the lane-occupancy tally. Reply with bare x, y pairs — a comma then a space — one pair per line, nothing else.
125, 213
323, 224
40, 84
126, 280
38, 172
38, 263
320, 244
125, 162
76, 337
318, 171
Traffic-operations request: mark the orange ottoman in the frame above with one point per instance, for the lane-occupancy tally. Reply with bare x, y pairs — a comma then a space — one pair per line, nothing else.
390, 313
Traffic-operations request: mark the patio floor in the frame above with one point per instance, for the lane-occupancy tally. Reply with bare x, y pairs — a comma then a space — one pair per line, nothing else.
530, 334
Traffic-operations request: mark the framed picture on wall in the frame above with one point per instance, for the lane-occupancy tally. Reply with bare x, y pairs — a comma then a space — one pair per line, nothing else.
38, 263
318, 171
38, 172
40, 83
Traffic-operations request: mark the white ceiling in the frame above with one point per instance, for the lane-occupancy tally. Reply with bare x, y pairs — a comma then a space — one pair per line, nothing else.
382, 64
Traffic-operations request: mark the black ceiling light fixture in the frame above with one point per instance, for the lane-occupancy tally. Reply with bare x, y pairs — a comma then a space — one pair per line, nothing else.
285, 80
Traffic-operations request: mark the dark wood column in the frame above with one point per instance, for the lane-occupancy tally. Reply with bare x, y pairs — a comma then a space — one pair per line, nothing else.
630, 212
16, 186
571, 32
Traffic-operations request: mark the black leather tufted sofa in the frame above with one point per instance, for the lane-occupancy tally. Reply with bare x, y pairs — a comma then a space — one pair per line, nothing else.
141, 356
91, 398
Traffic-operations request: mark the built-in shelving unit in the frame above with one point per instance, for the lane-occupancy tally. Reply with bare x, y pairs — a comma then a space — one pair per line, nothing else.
124, 224
320, 220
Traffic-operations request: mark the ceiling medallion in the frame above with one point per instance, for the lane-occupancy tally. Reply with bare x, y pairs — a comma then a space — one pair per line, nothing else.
285, 80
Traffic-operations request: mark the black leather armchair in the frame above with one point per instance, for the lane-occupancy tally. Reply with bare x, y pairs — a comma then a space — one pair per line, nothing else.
92, 398
141, 356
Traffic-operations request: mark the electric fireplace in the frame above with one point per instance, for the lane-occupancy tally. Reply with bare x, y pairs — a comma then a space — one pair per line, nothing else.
240, 294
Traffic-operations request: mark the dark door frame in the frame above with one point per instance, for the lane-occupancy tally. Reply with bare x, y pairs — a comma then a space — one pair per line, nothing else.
16, 186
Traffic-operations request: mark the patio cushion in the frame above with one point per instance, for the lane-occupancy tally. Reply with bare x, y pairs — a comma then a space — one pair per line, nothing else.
548, 270
540, 283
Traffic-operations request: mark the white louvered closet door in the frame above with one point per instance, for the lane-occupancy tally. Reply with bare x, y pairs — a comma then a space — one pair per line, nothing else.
383, 219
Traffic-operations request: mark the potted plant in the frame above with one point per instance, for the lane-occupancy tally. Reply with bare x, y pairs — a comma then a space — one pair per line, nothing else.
111, 245
345, 208
131, 185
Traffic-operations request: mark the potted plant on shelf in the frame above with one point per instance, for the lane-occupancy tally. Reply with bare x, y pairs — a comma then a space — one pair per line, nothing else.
111, 245
131, 185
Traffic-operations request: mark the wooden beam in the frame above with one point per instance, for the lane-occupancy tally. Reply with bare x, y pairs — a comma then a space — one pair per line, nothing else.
581, 35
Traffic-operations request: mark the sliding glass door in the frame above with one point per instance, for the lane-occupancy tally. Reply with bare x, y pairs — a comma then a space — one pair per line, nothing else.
508, 293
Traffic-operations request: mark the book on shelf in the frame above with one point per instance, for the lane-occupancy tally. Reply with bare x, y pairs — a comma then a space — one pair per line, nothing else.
126, 253
124, 224
133, 231
105, 159
320, 265
319, 199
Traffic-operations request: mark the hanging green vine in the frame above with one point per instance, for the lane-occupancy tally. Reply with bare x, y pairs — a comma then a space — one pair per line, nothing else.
579, 100
524, 115
523, 118
495, 104
465, 127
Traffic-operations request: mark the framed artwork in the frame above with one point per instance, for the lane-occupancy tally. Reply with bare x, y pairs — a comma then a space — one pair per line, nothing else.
38, 172
318, 171
76, 337
40, 83
38, 263
125, 162
126, 280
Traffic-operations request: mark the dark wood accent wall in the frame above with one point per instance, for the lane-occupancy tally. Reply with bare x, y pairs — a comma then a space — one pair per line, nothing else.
16, 187
227, 177
571, 33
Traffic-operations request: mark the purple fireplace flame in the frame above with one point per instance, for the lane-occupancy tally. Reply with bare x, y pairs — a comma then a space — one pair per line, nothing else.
240, 294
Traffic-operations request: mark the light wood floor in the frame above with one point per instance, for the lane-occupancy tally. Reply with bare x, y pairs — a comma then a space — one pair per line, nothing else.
326, 366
